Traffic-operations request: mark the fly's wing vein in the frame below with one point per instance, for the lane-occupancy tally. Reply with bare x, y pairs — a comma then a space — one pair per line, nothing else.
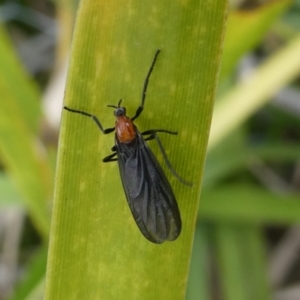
148, 192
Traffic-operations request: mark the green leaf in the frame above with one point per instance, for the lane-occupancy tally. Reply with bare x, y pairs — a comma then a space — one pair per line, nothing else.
8, 194
245, 29
21, 150
34, 277
220, 163
242, 264
15, 81
249, 204
250, 95
96, 250
198, 283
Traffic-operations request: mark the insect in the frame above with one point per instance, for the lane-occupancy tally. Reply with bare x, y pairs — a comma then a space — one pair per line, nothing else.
148, 191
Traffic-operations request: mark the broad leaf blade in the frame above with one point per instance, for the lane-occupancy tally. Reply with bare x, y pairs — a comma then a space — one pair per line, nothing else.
96, 250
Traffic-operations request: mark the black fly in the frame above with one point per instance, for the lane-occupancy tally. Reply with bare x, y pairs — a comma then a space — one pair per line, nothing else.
148, 191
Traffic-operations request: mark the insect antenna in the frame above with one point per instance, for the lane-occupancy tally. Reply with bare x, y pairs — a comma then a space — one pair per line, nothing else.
113, 106
141, 107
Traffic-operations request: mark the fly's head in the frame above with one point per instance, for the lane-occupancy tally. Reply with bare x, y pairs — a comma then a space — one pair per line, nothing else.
119, 110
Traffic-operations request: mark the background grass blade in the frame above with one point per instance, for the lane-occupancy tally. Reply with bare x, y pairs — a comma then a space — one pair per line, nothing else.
253, 25
241, 101
22, 153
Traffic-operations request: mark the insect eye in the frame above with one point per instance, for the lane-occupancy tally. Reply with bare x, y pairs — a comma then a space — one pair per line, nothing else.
120, 111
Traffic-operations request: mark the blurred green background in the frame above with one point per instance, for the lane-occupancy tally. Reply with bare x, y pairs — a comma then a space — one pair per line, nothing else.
247, 238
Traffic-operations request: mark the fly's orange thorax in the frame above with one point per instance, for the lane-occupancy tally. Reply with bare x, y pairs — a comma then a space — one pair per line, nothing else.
125, 130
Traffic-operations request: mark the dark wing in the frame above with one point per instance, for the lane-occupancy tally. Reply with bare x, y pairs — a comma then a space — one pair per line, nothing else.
148, 192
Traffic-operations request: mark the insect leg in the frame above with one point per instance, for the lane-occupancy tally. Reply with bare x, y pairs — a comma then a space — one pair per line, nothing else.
110, 158
94, 118
159, 130
141, 107
163, 152
149, 138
